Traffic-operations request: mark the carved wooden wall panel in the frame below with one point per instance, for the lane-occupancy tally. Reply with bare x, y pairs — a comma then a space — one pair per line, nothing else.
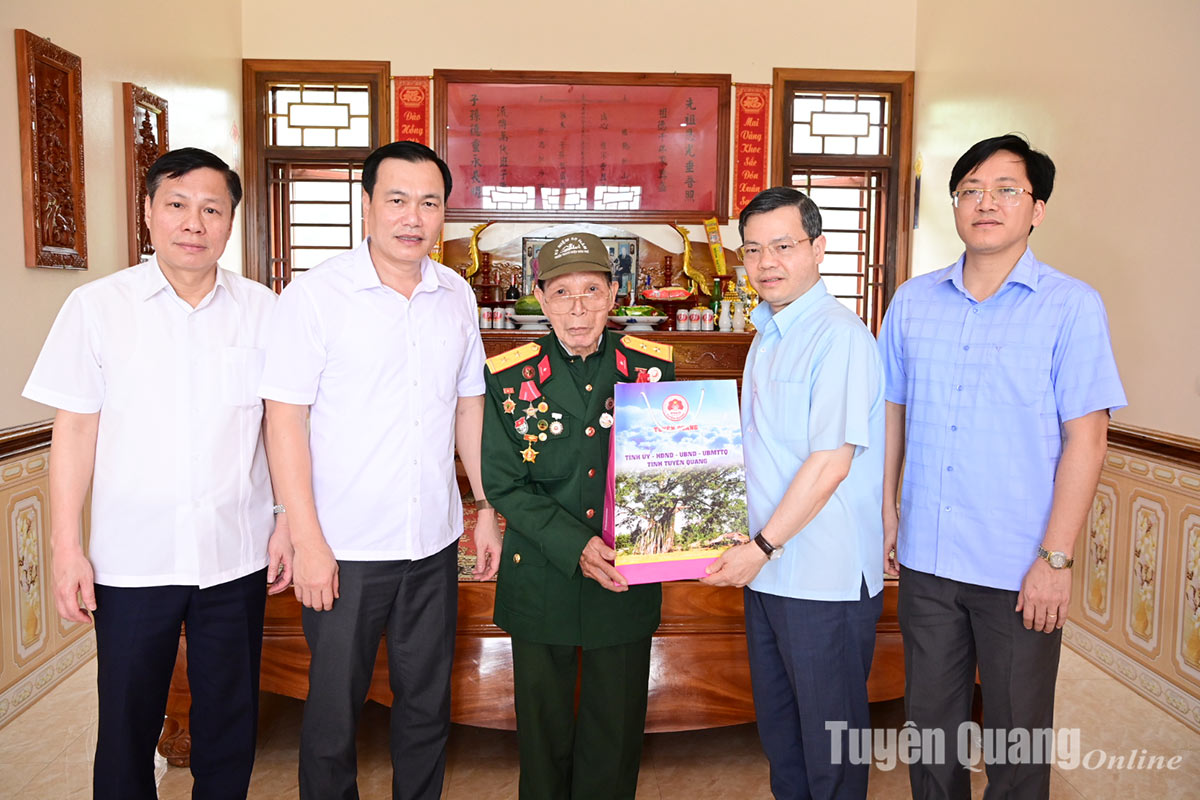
145, 141
50, 112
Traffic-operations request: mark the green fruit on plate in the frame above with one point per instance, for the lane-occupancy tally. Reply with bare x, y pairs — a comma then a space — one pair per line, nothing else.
527, 306
637, 311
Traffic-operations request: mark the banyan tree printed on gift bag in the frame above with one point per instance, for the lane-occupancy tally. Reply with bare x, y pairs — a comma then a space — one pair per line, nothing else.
677, 484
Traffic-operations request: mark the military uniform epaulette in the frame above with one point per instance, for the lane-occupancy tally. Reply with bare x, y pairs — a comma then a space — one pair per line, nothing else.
663, 352
510, 358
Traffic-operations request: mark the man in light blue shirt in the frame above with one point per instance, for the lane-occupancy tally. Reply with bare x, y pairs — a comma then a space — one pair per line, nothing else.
1000, 379
813, 428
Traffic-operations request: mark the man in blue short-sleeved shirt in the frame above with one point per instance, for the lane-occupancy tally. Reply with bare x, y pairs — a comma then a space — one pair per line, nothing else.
1000, 379
813, 427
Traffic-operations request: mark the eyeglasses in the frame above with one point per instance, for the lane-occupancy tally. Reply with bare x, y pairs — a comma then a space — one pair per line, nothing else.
1007, 196
781, 248
594, 299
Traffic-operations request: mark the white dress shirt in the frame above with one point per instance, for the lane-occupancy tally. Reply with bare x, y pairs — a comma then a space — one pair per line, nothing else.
382, 375
180, 492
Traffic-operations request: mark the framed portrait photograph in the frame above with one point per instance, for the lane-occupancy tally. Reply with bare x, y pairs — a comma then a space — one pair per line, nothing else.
622, 256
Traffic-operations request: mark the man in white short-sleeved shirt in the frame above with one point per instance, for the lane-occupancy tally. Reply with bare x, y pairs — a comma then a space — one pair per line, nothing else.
154, 372
374, 376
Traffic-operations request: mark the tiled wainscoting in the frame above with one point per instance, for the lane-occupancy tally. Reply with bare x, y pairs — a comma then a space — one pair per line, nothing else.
1136, 604
37, 649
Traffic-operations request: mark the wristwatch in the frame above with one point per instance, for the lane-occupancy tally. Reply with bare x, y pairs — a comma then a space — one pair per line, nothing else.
1055, 559
769, 550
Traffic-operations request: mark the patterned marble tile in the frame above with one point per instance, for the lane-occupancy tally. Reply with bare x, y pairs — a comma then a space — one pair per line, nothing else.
46, 753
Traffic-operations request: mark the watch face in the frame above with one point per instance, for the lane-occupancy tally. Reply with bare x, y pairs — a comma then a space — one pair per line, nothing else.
1058, 560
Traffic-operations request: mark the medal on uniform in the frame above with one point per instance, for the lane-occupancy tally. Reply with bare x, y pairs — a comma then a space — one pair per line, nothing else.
608, 404
556, 427
527, 371
509, 406
543, 425
541, 437
531, 411
642, 377
529, 391
529, 454
543, 407
606, 420
655, 374
522, 425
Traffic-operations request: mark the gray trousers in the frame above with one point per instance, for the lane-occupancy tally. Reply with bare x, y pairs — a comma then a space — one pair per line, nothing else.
414, 606
950, 627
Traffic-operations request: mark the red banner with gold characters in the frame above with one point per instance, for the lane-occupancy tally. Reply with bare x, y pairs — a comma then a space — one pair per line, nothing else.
753, 103
412, 108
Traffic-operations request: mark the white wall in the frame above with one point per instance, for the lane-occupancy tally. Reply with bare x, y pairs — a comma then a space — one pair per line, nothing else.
189, 54
1108, 89
1105, 87
616, 36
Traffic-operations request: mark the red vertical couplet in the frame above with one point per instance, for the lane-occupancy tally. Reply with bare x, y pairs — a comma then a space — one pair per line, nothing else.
753, 102
412, 108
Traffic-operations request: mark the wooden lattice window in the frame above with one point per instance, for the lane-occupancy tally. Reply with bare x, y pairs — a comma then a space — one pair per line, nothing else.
323, 114
845, 139
316, 213
310, 126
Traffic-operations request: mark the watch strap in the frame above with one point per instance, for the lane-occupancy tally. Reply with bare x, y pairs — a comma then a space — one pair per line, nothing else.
767, 548
1047, 555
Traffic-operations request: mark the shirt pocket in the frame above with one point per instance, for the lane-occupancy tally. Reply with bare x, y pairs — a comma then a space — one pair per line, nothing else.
1018, 374
521, 584
241, 371
785, 410
447, 345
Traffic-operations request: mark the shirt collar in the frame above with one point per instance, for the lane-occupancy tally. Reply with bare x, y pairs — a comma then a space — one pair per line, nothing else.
153, 281
364, 276
1026, 272
569, 356
792, 313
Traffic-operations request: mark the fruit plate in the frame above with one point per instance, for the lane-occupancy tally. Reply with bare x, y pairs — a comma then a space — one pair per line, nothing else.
530, 322
636, 323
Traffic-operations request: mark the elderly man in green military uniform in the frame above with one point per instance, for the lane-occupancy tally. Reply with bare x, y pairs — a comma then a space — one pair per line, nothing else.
545, 465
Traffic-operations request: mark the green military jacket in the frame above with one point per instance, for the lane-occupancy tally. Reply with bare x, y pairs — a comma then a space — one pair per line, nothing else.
545, 468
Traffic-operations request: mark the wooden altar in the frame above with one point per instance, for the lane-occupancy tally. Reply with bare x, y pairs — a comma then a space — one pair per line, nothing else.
699, 673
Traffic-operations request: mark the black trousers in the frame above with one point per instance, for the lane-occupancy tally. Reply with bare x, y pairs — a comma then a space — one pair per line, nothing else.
809, 662
950, 627
137, 637
414, 606
597, 753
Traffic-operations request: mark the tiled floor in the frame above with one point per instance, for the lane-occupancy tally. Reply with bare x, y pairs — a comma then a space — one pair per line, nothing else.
46, 753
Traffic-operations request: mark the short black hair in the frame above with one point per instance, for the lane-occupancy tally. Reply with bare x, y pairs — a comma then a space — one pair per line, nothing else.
1038, 165
178, 163
781, 197
413, 152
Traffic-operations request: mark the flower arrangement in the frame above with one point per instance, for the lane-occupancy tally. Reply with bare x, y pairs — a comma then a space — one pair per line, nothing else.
1099, 542
28, 567
1145, 553
1191, 586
